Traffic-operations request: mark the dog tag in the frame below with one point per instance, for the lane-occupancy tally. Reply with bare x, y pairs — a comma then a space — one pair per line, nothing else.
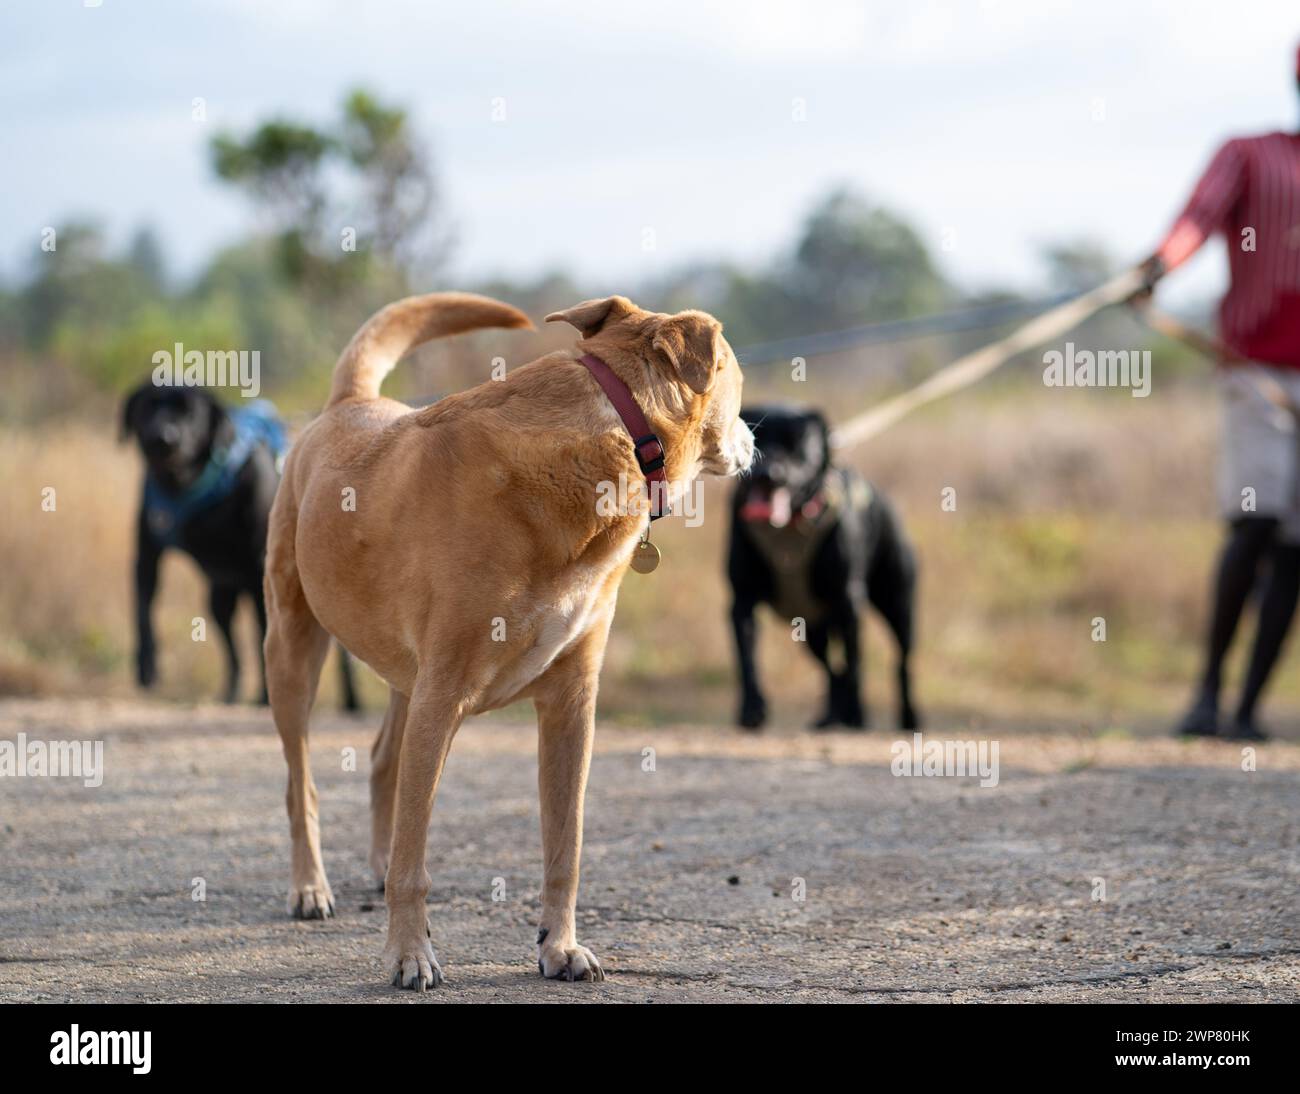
645, 559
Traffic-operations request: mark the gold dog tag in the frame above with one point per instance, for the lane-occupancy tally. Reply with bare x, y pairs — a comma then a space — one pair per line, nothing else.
645, 559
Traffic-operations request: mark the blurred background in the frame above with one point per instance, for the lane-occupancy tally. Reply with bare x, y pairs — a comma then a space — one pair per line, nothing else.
232, 175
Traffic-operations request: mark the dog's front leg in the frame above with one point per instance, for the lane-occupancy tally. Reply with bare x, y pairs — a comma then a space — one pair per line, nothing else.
753, 707
221, 601
846, 688
566, 722
431, 723
147, 555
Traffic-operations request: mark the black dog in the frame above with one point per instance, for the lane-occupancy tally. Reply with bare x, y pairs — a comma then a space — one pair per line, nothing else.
211, 475
815, 542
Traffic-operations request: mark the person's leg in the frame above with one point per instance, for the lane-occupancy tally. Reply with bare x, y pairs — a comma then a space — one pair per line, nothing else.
1276, 610
1279, 596
1257, 486
1249, 539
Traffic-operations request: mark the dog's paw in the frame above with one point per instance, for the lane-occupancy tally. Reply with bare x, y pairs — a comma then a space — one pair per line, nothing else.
413, 966
571, 963
753, 714
313, 901
846, 716
857, 718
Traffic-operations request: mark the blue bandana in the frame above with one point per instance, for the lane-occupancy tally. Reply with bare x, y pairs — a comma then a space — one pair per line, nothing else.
257, 423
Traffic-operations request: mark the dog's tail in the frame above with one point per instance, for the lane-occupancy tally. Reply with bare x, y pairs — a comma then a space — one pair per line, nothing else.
393, 330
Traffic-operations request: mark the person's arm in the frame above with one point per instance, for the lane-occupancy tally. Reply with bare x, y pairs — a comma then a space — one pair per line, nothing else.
1206, 212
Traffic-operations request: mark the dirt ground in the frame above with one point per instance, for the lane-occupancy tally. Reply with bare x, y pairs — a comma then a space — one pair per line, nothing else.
916, 888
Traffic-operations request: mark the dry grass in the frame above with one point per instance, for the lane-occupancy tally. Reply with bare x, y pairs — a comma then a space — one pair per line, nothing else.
1070, 505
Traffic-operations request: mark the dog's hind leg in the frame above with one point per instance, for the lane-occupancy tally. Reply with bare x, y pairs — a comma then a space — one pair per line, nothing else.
895, 599
844, 704
384, 755
295, 651
432, 718
847, 686
258, 593
221, 602
347, 682
818, 638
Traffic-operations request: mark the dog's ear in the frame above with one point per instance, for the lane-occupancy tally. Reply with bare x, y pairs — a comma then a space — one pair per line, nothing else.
127, 425
589, 316
818, 421
688, 341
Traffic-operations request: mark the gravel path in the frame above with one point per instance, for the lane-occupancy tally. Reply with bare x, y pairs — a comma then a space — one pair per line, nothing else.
916, 888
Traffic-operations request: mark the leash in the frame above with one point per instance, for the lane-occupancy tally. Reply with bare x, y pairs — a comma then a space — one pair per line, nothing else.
975, 366
1216, 350
1287, 413
957, 321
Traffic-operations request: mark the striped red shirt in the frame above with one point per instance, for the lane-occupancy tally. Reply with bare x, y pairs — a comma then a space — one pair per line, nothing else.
1251, 193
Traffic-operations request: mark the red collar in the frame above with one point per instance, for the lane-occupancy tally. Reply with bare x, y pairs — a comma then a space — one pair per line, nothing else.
648, 448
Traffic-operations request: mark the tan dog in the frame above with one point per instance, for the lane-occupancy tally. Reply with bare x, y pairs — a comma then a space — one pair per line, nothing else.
459, 551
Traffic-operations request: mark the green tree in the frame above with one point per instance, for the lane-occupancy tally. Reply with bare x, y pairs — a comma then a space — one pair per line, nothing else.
395, 174
76, 283
858, 263
1076, 265
340, 199
145, 256
852, 263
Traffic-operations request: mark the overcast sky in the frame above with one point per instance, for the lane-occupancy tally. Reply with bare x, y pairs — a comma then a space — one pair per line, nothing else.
994, 126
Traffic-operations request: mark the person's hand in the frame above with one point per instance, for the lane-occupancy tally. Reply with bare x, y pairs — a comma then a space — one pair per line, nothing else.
1153, 269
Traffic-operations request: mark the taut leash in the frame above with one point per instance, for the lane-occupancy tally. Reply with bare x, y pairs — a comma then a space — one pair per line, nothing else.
975, 366
1216, 350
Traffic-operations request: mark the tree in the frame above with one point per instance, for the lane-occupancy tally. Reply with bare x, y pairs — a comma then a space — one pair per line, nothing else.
857, 263
145, 257
76, 283
1076, 265
395, 173
337, 199
852, 263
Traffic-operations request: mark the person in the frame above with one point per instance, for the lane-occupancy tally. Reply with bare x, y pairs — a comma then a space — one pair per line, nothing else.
1251, 193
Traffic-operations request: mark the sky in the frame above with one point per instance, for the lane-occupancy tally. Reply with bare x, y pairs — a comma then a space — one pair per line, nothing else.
569, 135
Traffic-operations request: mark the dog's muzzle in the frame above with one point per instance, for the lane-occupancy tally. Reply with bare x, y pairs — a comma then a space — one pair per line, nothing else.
741, 455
